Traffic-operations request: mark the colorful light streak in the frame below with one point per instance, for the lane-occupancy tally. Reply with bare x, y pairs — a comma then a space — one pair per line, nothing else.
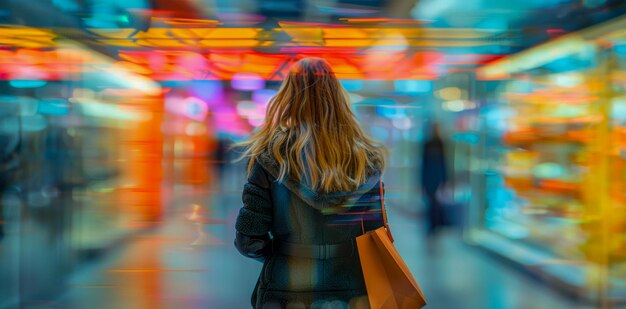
194, 49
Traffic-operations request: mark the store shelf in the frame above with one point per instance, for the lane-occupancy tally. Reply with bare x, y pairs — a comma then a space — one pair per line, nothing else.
553, 139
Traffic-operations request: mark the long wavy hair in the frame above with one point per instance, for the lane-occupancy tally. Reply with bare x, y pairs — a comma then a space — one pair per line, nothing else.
311, 132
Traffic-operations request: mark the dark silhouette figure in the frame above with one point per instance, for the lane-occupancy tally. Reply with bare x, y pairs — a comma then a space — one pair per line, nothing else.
222, 154
434, 176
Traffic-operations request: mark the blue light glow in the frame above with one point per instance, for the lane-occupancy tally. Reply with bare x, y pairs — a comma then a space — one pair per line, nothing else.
391, 112
352, 84
210, 91
413, 86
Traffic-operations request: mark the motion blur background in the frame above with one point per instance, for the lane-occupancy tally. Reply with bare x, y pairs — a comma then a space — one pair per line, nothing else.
117, 188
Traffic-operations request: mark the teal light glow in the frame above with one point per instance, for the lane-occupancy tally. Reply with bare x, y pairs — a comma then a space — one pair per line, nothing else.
379, 133
66, 5
33, 123
19, 83
55, 107
548, 170
466, 138
618, 111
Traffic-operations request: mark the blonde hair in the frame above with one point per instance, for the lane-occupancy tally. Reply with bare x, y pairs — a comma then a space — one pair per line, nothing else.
309, 121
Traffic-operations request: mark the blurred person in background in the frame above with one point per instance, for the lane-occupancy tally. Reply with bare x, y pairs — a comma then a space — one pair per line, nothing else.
434, 176
313, 187
222, 154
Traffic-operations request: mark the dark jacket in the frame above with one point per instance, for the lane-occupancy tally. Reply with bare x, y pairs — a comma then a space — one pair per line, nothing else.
291, 212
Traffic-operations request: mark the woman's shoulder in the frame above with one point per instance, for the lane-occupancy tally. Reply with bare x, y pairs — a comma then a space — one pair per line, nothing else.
266, 162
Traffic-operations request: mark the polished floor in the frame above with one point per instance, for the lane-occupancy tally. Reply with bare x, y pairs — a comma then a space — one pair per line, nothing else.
189, 262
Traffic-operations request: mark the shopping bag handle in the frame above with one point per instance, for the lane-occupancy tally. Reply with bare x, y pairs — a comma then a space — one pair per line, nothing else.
384, 210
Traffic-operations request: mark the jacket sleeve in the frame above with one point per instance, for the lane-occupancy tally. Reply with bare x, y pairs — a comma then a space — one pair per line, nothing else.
255, 217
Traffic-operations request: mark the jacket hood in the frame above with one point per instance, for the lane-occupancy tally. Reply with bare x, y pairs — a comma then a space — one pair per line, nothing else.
313, 198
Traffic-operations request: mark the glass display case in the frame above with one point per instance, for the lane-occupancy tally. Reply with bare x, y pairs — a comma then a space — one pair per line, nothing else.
549, 170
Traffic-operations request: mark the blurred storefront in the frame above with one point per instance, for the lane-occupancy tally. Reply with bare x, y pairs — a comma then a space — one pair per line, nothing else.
548, 171
82, 167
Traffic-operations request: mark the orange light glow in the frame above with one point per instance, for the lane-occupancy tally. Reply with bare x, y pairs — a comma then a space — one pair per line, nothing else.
196, 49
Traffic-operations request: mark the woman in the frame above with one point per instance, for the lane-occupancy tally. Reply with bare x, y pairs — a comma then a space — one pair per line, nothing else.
313, 187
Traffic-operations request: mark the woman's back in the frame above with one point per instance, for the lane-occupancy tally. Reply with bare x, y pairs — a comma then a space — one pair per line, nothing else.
305, 204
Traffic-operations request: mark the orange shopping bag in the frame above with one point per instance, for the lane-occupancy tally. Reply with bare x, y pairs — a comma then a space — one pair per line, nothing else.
389, 282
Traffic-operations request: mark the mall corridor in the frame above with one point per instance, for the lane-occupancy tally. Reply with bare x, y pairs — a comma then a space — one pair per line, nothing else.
190, 262
505, 123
